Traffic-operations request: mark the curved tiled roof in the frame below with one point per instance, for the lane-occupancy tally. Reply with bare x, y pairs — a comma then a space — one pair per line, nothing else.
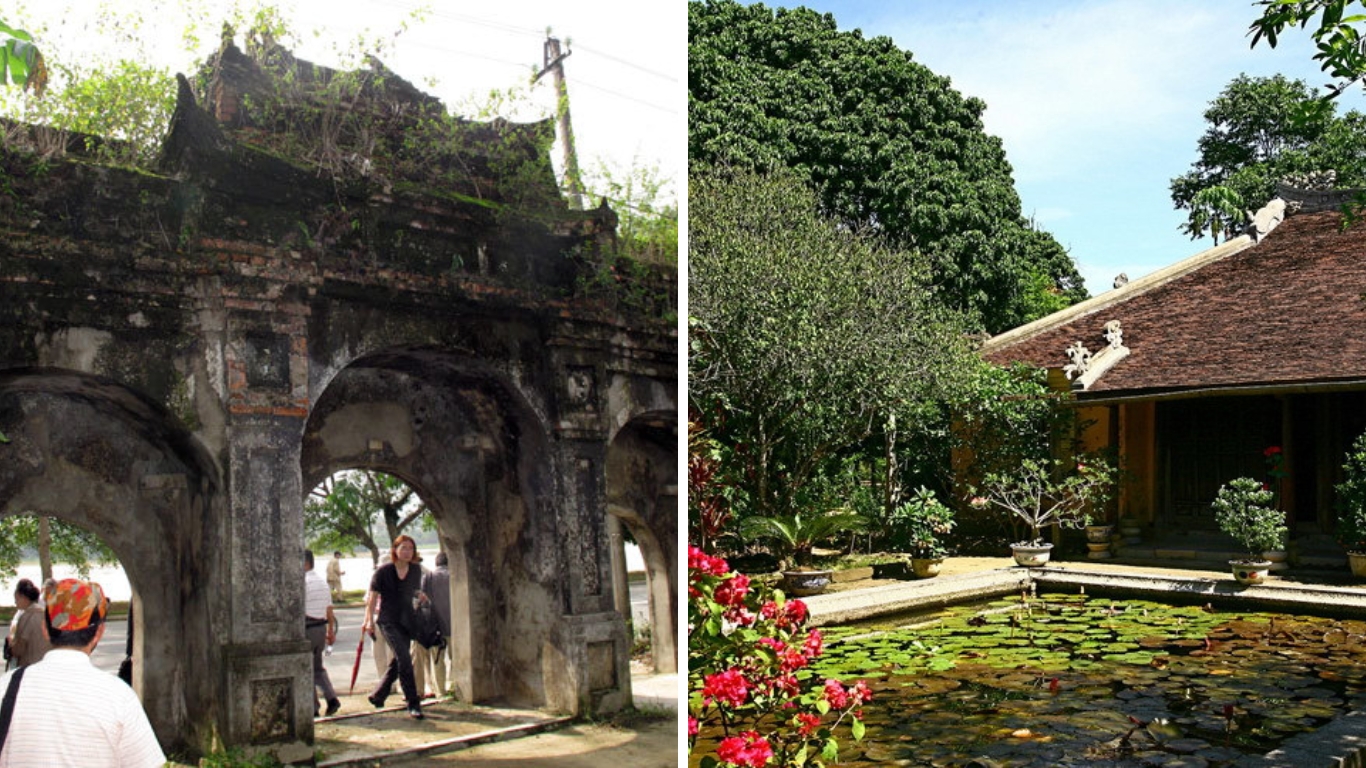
1288, 310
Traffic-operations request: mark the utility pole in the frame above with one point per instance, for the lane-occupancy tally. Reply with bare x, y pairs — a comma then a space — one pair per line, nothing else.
554, 62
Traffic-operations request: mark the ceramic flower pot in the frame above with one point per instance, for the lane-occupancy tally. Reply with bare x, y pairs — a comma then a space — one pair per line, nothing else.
1031, 555
805, 583
925, 567
1358, 563
1250, 572
1098, 551
1099, 534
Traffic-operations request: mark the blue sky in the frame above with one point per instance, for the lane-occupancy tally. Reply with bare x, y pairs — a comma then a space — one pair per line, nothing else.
1099, 104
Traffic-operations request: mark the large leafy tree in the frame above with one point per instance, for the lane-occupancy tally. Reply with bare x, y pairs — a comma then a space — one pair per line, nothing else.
1258, 131
889, 145
343, 512
806, 337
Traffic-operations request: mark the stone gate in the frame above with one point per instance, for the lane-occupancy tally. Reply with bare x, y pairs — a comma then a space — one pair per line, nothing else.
325, 272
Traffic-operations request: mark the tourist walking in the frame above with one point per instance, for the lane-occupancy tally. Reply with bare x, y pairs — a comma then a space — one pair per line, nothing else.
320, 626
334, 574
396, 590
27, 643
436, 585
67, 712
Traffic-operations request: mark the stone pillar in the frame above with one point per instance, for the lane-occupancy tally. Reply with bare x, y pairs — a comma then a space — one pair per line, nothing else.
587, 669
267, 665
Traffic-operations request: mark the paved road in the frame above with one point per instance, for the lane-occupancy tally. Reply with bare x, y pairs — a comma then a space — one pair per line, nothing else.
110, 651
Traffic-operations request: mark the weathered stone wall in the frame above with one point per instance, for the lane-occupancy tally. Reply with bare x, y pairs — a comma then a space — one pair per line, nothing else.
183, 357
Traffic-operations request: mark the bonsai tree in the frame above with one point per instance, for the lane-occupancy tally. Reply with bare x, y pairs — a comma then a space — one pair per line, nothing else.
918, 523
1045, 494
1244, 509
1351, 532
792, 537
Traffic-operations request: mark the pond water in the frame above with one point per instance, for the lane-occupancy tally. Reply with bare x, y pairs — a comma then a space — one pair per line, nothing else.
1067, 680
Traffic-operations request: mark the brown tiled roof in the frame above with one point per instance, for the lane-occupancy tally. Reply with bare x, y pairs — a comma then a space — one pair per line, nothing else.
1288, 310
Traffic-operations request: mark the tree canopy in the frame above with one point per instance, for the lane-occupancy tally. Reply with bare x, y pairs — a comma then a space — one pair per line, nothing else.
1258, 131
889, 145
1336, 37
806, 336
341, 513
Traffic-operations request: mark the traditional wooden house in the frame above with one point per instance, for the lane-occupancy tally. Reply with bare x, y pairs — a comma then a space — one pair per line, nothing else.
1204, 371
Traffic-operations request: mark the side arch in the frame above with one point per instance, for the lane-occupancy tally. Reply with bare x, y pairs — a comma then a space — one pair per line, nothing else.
93, 452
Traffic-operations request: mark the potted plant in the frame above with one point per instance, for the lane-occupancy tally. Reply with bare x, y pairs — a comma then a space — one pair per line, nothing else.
791, 538
1244, 509
1351, 530
917, 526
1047, 494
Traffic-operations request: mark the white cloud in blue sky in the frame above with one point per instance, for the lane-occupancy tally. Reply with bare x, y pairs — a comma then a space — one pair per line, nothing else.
1099, 104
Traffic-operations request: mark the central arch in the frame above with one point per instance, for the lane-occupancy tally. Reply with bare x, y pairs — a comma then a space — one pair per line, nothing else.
459, 433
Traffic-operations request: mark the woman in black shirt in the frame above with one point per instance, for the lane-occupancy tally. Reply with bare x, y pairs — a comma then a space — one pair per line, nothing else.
397, 588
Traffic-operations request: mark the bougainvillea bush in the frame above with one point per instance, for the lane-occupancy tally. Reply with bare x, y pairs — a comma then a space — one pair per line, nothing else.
749, 689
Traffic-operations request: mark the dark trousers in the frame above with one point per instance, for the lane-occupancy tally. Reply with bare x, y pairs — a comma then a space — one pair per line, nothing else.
400, 665
317, 637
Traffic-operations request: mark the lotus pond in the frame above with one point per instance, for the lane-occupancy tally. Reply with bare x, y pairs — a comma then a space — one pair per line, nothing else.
1067, 680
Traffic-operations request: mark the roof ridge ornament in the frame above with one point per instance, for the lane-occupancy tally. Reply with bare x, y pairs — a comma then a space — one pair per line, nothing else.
1087, 367
1265, 220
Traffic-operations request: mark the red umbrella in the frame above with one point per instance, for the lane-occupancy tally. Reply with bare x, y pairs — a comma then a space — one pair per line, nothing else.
355, 668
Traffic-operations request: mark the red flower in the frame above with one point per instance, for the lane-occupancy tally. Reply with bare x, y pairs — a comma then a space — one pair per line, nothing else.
705, 564
732, 591
727, 687
806, 723
1272, 451
749, 749
692, 726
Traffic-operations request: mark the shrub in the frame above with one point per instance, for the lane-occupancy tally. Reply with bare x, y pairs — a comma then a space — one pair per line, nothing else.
748, 653
917, 525
1243, 509
1351, 532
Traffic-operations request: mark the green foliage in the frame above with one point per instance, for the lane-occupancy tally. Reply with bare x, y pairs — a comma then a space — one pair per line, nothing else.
644, 202
1351, 499
888, 144
793, 536
70, 544
1243, 509
918, 525
1044, 494
1260, 130
804, 336
20, 61
1339, 43
342, 513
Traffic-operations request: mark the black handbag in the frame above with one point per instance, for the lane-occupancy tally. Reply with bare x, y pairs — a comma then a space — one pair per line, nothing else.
427, 627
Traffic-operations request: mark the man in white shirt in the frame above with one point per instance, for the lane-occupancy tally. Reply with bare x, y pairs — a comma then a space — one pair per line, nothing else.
67, 712
320, 625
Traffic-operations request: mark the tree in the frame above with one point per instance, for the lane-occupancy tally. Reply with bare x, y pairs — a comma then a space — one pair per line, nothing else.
341, 512
889, 145
1339, 44
52, 540
20, 61
1260, 130
806, 337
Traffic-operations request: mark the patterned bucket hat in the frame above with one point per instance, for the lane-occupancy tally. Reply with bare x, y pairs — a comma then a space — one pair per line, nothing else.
73, 605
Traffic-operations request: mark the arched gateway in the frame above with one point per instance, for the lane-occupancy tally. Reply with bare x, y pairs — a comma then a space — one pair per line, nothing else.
304, 288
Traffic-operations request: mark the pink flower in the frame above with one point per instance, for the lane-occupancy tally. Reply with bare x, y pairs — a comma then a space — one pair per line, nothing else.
977, 502
835, 694
813, 645
692, 726
749, 749
862, 693
728, 687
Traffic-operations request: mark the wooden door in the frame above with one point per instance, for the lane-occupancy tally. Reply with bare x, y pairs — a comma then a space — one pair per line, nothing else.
1205, 442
